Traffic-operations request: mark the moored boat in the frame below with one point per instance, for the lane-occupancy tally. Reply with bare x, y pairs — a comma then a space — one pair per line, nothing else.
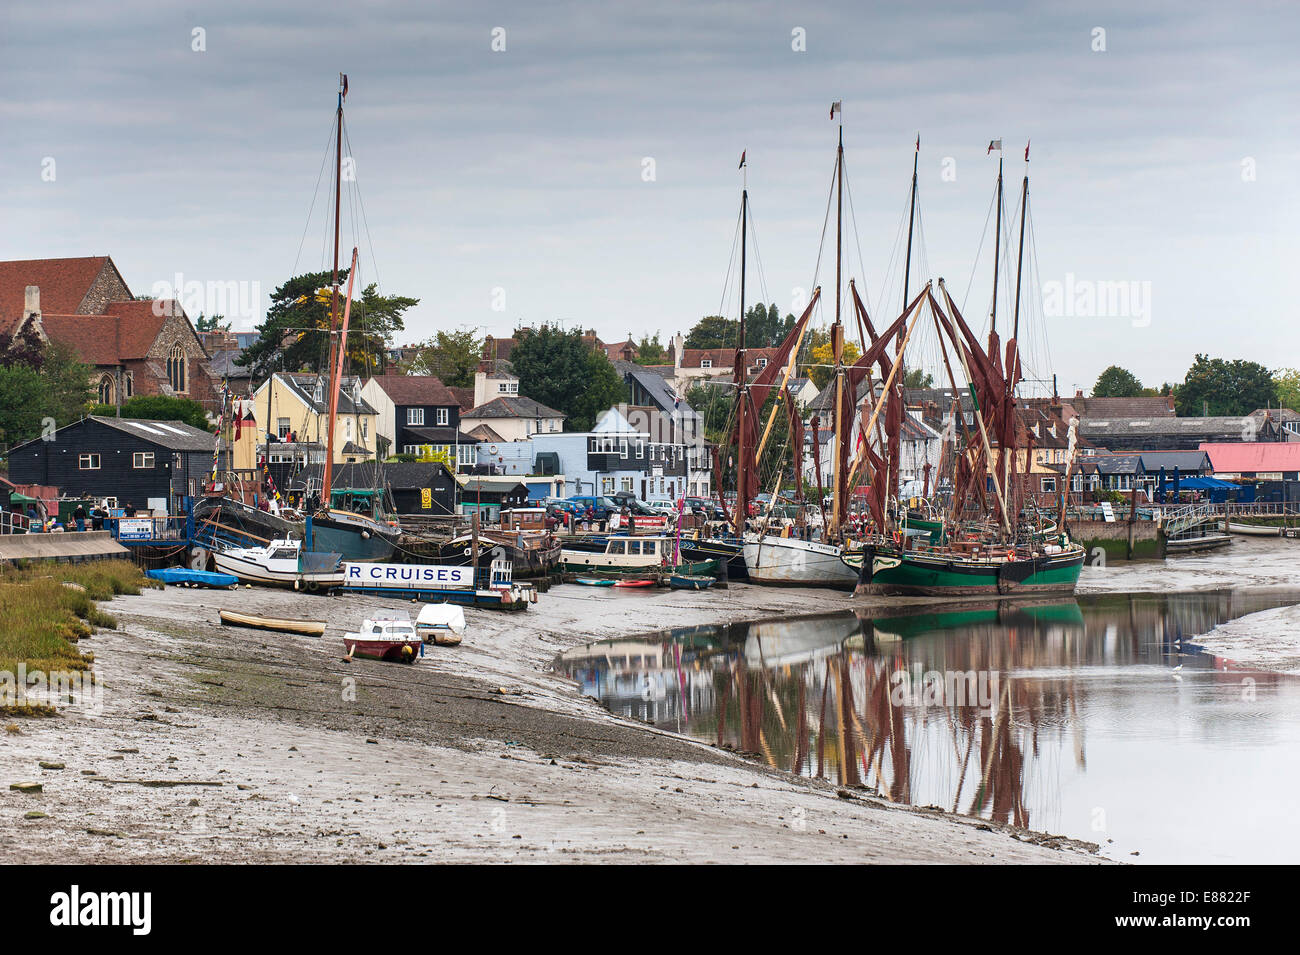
1048, 568
791, 561
309, 628
282, 563
690, 582
632, 555
441, 624
193, 578
389, 638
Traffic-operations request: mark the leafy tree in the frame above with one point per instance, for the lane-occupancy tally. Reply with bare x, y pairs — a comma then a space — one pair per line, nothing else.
23, 348
558, 369
1216, 386
452, 356
917, 378
68, 381
823, 359
52, 385
209, 323
1288, 387
24, 401
159, 408
650, 351
295, 334
713, 331
1117, 382
764, 328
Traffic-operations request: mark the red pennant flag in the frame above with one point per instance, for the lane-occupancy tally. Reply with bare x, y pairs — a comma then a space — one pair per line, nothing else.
742, 159
1026, 150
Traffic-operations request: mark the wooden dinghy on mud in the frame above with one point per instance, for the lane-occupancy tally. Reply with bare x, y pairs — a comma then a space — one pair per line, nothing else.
308, 628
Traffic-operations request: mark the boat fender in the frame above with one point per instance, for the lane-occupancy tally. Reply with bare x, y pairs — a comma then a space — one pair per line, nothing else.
365, 535
297, 584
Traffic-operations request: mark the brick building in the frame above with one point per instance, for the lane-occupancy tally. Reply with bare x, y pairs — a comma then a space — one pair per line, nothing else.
135, 347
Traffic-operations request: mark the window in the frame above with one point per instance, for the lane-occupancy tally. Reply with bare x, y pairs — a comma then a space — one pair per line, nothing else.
282, 428
365, 429
415, 416
1049, 485
106, 390
626, 484
466, 455
176, 369
513, 388
616, 547
444, 416
634, 547
622, 450
762, 363
640, 449
142, 459
88, 462
650, 547
706, 362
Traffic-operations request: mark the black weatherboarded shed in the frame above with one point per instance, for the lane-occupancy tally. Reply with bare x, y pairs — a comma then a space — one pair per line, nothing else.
132, 460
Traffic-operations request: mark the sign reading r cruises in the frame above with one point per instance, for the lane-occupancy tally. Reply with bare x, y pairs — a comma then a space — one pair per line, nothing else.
406, 576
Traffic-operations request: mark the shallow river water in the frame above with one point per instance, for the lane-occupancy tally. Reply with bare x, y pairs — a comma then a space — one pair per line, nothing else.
1095, 718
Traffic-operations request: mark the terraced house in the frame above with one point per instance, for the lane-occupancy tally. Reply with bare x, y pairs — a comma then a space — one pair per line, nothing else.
136, 347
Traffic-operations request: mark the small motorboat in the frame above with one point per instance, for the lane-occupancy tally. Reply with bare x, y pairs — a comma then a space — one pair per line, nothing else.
389, 638
594, 581
308, 628
441, 624
635, 583
282, 563
689, 582
193, 578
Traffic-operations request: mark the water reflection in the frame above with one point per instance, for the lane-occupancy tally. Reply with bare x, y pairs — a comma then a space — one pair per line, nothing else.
984, 708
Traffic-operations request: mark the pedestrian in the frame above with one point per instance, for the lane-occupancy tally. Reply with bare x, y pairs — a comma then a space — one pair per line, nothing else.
129, 510
79, 516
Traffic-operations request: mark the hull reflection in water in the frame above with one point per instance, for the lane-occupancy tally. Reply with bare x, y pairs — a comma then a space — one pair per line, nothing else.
993, 708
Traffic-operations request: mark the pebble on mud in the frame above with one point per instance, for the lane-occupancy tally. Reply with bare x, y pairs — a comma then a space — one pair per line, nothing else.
45, 764
27, 787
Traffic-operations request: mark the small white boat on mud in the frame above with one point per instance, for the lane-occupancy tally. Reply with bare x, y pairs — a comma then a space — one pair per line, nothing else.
282, 563
441, 624
391, 638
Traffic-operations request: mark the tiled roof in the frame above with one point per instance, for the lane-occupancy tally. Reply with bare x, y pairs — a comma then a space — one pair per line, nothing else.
305, 387
464, 397
723, 357
125, 333
484, 433
510, 406
64, 284
1159, 407
416, 390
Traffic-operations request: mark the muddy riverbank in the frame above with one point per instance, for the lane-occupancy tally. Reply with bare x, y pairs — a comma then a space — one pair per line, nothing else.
220, 744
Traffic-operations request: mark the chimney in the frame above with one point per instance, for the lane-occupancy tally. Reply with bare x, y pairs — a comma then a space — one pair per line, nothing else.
32, 302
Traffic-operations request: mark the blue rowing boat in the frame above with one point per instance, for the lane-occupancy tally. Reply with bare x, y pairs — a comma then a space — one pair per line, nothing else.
594, 581
197, 578
690, 582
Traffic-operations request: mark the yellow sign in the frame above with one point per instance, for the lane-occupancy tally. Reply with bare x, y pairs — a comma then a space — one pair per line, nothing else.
426, 498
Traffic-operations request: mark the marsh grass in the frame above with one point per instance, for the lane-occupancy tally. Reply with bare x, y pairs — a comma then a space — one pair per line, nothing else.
42, 618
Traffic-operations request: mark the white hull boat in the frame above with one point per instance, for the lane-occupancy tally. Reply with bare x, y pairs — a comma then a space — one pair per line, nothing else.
794, 562
281, 563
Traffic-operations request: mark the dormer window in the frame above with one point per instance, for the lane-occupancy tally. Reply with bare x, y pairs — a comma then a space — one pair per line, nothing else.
762, 363
706, 362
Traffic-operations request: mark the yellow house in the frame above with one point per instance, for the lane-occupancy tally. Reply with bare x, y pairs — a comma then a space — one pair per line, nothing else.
293, 409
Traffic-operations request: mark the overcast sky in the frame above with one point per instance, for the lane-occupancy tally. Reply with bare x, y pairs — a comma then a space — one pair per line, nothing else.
1164, 157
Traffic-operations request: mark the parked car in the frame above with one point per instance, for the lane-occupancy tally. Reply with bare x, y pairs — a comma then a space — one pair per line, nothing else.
602, 506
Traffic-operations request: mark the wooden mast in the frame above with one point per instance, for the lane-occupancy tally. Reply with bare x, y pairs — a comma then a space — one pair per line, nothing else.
742, 395
328, 476
837, 344
1014, 491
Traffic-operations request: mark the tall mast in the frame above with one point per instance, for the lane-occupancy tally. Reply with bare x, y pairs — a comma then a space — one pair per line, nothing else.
1020, 255
997, 247
837, 341
742, 395
328, 477
911, 219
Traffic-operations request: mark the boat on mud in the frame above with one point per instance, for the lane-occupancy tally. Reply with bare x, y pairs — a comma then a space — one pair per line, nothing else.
308, 628
389, 638
441, 624
632, 555
282, 563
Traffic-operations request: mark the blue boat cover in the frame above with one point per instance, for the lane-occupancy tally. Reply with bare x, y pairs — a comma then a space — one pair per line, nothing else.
179, 575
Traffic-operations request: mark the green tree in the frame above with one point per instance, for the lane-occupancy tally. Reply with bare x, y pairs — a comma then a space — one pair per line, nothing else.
295, 334
451, 356
917, 378
1287, 381
159, 408
68, 381
1117, 382
24, 404
713, 331
650, 351
209, 323
558, 369
1216, 386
